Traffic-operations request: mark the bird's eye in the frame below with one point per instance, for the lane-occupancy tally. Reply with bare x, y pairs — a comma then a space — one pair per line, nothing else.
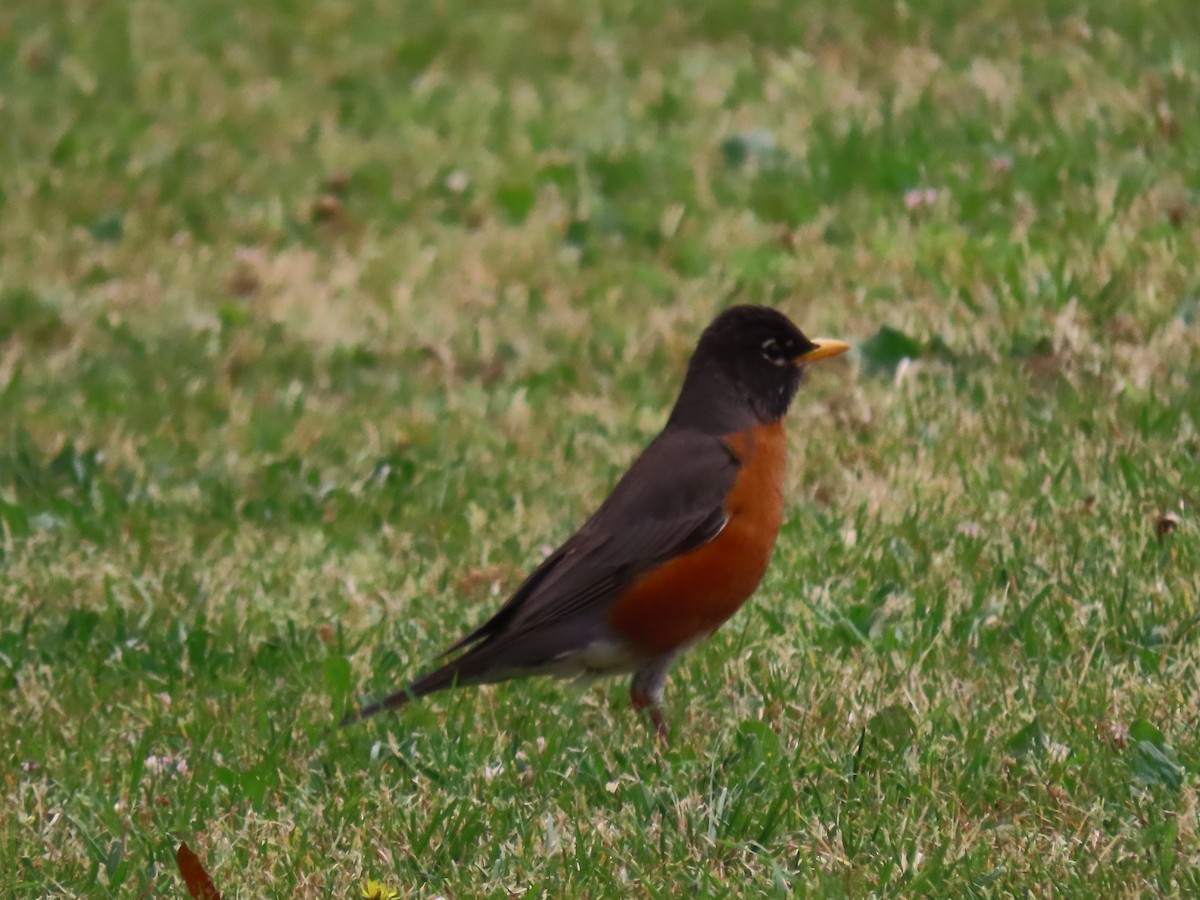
773, 353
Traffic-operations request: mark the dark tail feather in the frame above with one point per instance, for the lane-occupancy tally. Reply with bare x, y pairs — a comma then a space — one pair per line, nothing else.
439, 679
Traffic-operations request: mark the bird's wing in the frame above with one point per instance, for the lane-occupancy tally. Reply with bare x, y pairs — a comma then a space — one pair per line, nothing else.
669, 503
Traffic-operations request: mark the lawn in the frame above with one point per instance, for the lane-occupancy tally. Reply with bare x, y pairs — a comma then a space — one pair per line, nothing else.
321, 321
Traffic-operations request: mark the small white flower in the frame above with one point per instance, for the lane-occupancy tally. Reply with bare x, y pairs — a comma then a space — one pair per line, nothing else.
918, 197
158, 765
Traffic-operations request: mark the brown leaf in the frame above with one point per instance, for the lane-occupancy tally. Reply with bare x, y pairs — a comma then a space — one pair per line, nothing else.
199, 885
1177, 212
337, 183
244, 282
326, 208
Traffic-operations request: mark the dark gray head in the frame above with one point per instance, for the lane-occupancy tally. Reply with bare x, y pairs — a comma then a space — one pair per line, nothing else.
746, 368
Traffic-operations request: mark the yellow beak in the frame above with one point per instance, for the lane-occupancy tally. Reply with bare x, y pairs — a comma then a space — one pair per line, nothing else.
825, 349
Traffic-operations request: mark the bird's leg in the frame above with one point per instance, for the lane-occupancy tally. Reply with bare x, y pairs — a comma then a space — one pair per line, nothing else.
645, 693
642, 701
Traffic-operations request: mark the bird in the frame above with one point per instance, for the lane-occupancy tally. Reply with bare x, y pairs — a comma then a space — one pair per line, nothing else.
682, 541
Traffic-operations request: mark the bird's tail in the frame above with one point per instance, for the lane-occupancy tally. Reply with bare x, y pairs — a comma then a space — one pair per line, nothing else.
449, 675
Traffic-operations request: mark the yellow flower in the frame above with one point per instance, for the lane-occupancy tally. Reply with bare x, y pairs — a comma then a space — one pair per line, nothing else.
377, 890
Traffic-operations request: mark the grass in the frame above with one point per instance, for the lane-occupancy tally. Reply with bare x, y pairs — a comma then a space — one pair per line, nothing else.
319, 321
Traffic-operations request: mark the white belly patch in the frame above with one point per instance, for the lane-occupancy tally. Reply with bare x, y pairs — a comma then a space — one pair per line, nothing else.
603, 656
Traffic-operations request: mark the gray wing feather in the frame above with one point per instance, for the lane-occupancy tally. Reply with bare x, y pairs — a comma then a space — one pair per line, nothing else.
669, 502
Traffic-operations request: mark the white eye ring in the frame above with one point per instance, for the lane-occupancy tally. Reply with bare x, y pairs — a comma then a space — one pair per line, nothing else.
771, 352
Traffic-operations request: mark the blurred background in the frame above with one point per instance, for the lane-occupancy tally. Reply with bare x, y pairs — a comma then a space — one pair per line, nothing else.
320, 321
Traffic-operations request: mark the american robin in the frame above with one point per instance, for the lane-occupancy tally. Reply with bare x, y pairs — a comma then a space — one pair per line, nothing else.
680, 544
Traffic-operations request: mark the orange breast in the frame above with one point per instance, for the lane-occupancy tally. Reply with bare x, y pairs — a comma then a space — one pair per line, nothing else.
689, 597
